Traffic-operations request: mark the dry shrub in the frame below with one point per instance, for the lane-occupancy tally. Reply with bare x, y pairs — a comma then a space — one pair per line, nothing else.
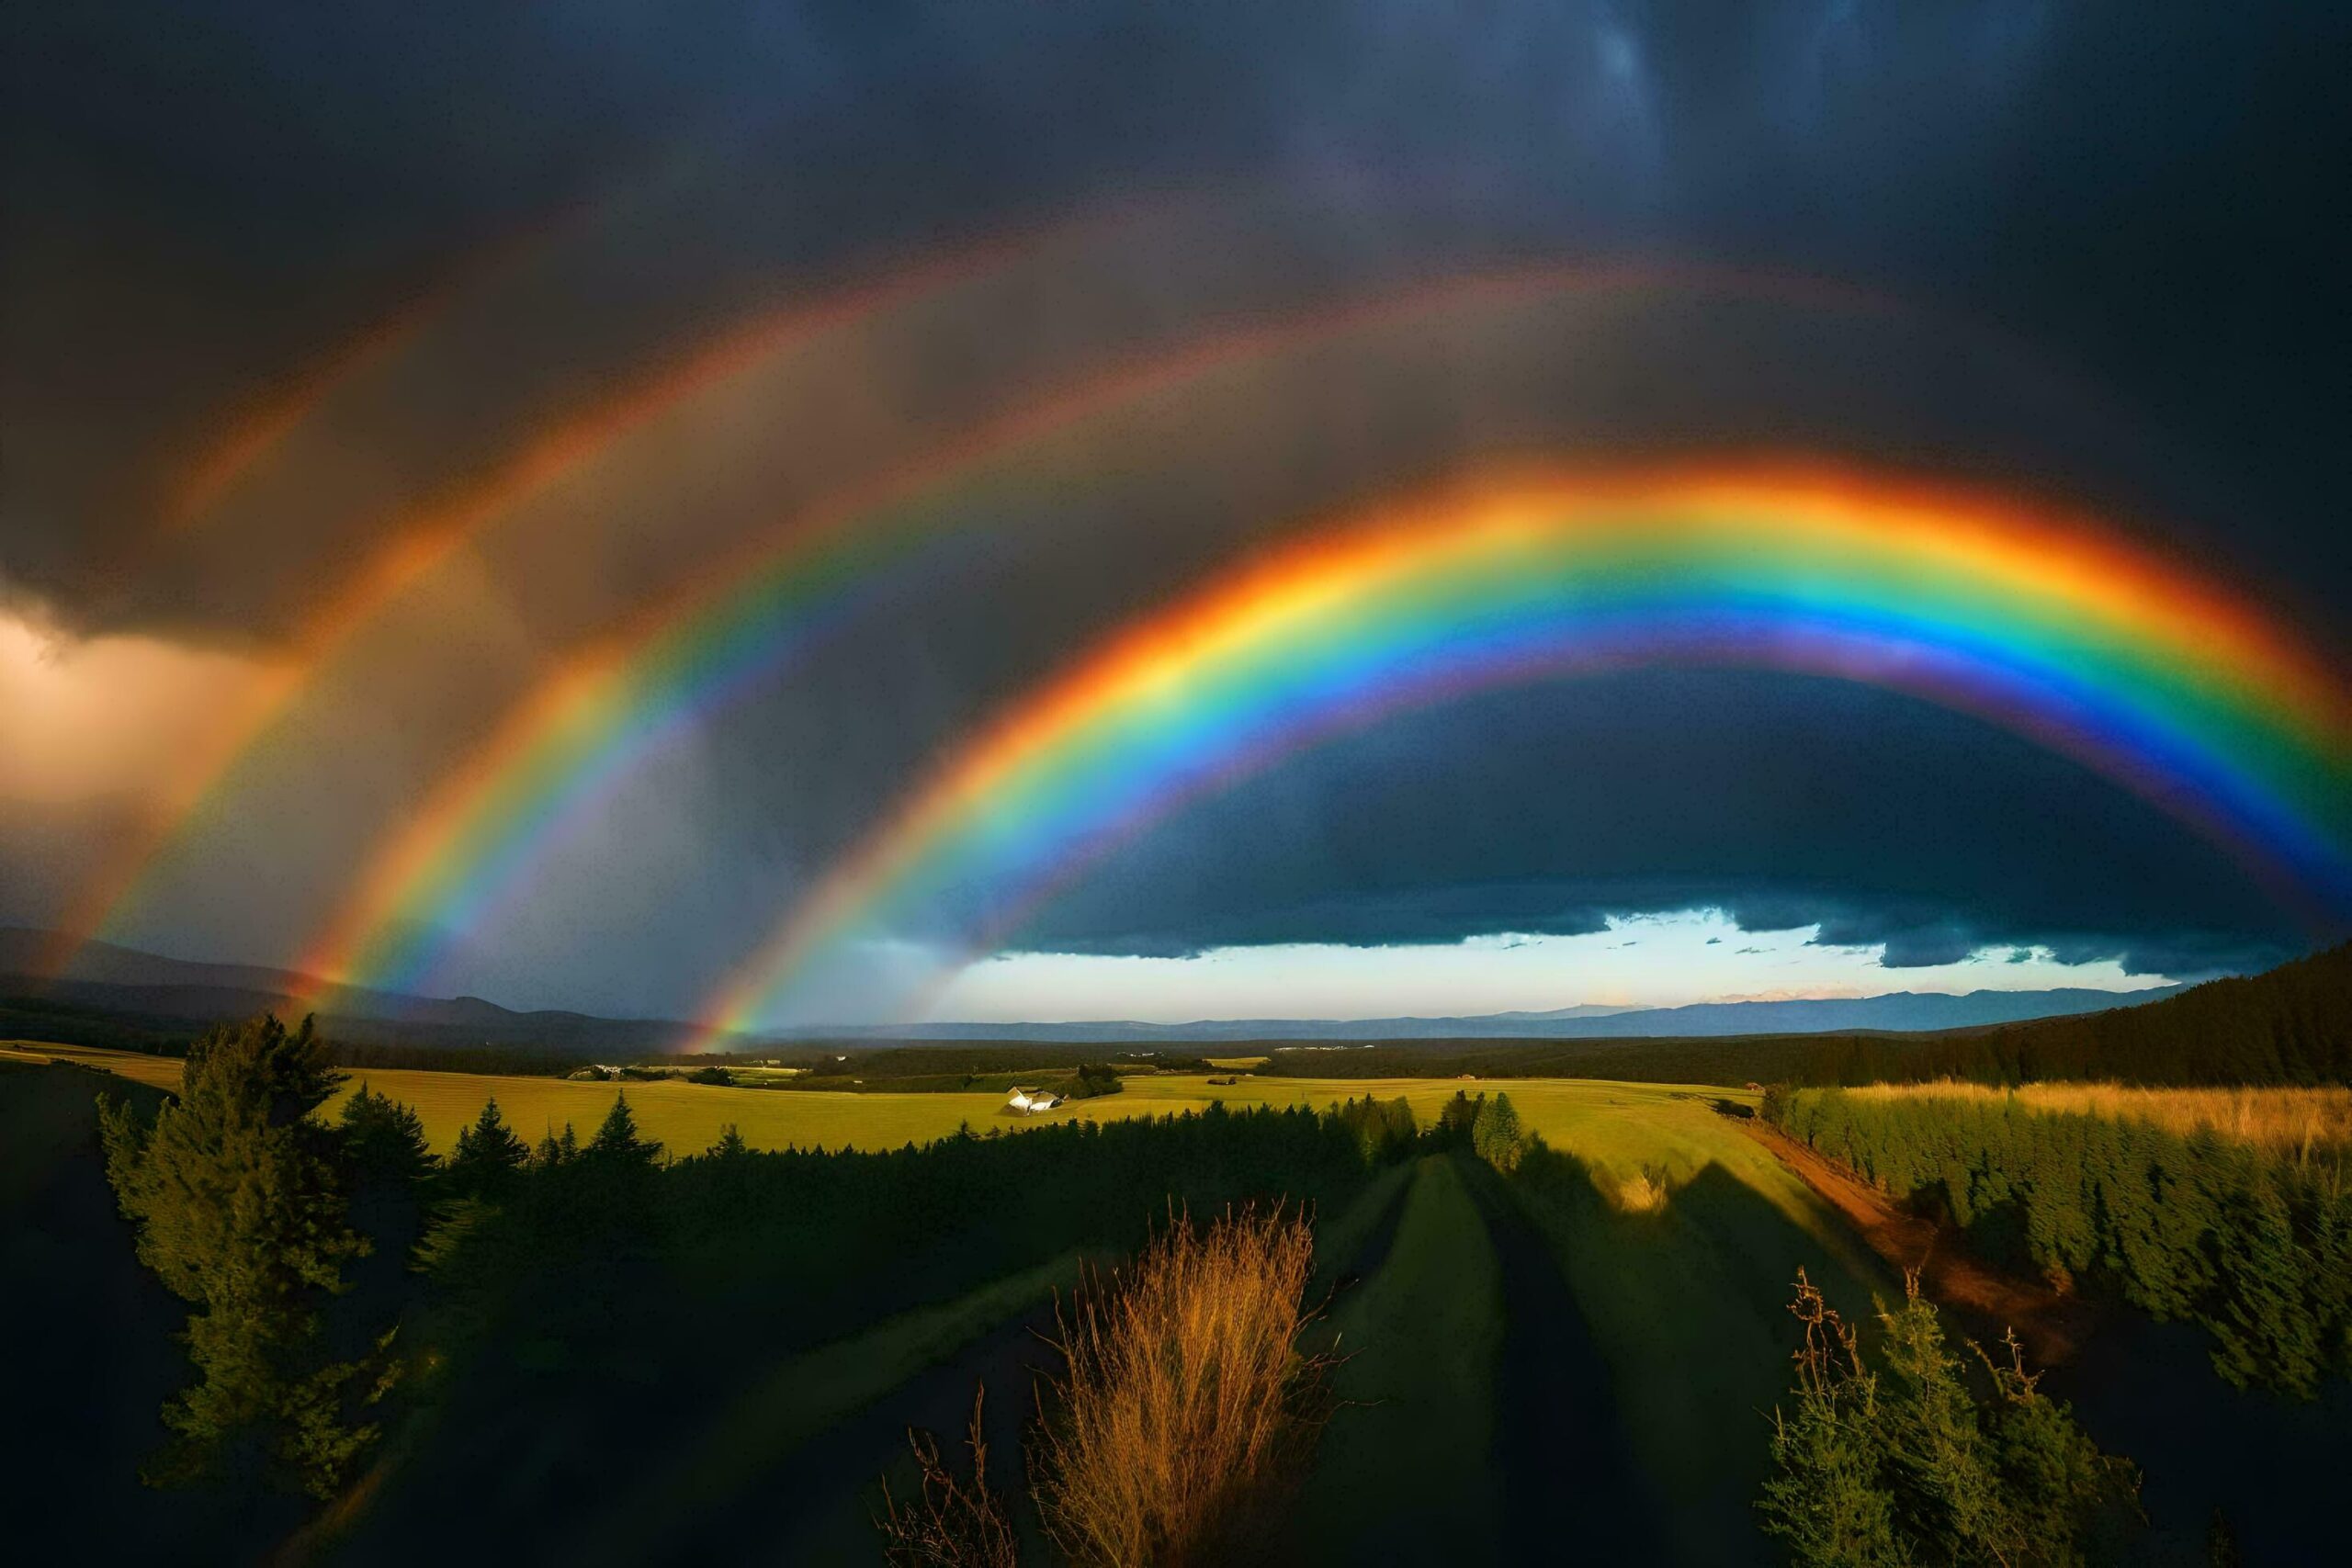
1642, 1193
1186, 1413
949, 1524
2298, 1123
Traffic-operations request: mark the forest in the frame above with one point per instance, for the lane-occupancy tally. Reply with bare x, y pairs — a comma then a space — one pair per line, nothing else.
2285, 1026
2253, 1246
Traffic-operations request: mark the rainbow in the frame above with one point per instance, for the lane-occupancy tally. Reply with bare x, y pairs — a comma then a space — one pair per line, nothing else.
558, 756
2050, 627
422, 538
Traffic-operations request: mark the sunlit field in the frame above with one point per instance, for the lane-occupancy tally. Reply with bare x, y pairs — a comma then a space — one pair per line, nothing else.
1620, 1127
2297, 1122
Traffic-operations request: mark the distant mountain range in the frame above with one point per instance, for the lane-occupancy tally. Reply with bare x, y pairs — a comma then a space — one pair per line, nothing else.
174, 995
1897, 1011
146, 986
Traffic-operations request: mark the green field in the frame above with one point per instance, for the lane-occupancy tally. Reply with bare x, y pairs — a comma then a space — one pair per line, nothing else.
1654, 1260
1422, 1339
1620, 1125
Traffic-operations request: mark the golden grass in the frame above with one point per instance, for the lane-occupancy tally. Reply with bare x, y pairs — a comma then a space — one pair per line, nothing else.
1621, 1127
1185, 1412
2295, 1123
1644, 1192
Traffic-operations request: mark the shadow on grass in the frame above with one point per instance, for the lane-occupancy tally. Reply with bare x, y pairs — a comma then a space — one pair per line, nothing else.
1560, 1448
1686, 1302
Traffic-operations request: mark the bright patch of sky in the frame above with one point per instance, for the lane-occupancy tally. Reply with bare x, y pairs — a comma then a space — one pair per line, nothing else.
1640, 960
107, 717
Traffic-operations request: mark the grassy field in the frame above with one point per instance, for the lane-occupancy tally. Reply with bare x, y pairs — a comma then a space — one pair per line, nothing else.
1661, 1263
2298, 1123
1402, 1472
1620, 1127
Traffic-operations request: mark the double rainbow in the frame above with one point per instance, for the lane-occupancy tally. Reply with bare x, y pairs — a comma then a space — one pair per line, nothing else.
2040, 623
556, 759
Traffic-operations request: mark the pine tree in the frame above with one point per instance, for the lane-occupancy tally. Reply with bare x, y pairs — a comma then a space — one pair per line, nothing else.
1825, 1499
1917, 1466
1947, 1490
1495, 1135
2265, 1331
2059, 1486
489, 1156
383, 1141
731, 1143
617, 1140
554, 1152
234, 1196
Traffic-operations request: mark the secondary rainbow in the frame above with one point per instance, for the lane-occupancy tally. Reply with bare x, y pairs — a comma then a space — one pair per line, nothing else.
2049, 626
422, 538
555, 761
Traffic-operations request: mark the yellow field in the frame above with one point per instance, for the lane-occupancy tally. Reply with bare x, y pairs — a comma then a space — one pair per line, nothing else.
1622, 1128
158, 1072
2298, 1123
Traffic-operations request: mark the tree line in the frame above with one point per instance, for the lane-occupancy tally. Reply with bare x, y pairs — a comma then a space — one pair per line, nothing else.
2257, 1249
343, 1281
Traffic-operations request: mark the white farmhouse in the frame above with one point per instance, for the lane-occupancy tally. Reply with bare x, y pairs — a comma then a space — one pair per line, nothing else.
1029, 1102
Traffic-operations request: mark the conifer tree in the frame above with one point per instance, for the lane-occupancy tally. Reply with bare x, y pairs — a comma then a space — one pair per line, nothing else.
488, 1156
1921, 1464
1948, 1492
234, 1195
383, 1141
617, 1140
553, 1151
1826, 1500
1495, 1135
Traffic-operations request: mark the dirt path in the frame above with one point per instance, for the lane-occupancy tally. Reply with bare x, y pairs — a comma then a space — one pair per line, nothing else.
2053, 1325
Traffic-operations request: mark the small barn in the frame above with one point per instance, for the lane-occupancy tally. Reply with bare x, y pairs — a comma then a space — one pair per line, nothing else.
1029, 1102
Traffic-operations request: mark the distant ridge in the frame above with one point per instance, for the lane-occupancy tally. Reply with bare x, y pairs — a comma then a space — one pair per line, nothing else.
1895, 1012
167, 996
182, 992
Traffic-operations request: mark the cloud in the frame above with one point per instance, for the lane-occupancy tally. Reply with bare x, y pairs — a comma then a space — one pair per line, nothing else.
471, 236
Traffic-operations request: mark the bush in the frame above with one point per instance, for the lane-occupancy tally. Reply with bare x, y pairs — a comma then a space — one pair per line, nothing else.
1185, 1414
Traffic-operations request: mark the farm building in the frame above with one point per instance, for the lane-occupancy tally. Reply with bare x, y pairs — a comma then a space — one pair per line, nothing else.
1029, 1102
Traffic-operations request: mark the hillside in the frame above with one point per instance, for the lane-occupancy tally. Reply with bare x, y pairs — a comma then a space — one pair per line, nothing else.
122, 997
2289, 1025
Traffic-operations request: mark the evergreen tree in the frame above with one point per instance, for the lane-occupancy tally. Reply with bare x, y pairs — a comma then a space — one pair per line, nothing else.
383, 1141
731, 1143
617, 1140
2064, 1492
554, 1152
2265, 1331
1495, 1135
234, 1196
1826, 1500
1922, 1464
489, 1156
1946, 1492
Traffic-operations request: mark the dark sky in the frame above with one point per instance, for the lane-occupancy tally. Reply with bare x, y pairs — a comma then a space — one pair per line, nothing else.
2092, 251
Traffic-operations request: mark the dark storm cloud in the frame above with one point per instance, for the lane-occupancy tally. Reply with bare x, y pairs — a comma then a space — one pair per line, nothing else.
1786, 804
206, 200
